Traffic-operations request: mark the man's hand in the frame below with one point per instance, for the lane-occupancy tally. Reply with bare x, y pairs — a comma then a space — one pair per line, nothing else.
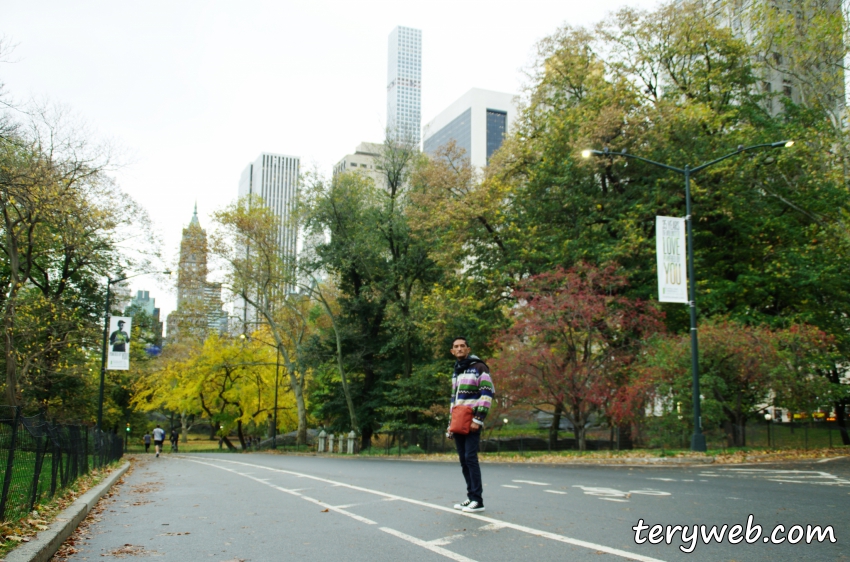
475, 428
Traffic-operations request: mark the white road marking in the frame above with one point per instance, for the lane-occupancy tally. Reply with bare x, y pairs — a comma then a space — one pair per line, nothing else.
555, 491
791, 476
445, 540
427, 545
294, 493
503, 524
532, 482
832, 459
604, 493
491, 527
509, 486
663, 479
614, 500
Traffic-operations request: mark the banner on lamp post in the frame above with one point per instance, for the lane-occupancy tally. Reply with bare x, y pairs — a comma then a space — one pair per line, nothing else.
671, 257
120, 328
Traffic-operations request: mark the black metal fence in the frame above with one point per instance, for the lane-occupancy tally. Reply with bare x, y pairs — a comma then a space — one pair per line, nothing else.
39, 458
756, 435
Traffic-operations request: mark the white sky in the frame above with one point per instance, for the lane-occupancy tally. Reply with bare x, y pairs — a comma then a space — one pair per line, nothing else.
194, 90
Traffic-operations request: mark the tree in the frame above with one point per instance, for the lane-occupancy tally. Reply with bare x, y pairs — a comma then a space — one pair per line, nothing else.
60, 235
572, 336
743, 369
382, 270
257, 272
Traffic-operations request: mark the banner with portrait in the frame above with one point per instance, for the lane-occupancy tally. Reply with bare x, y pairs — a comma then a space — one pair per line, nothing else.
118, 345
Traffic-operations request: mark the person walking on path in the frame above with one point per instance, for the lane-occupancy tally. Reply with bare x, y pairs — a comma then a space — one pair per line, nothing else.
472, 387
158, 438
147, 440
175, 439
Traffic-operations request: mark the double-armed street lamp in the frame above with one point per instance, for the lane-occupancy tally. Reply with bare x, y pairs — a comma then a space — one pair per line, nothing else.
698, 438
109, 283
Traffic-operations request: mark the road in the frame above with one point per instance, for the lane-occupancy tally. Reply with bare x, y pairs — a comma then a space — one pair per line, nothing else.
258, 507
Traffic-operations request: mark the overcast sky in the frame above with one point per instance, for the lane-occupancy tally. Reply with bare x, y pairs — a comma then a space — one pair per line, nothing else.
195, 90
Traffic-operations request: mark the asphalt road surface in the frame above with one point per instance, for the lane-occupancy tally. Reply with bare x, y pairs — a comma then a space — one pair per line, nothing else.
257, 507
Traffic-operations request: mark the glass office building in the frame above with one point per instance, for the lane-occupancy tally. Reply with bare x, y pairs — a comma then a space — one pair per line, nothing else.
477, 123
404, 84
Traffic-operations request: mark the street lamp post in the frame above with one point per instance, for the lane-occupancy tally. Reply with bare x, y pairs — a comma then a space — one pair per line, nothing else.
698, 438
109, 283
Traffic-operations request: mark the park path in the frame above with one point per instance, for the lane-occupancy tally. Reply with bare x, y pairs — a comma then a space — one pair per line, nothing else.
259, 507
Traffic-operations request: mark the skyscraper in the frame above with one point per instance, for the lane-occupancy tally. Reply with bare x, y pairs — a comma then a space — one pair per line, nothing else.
199, 306
477, 122
404, 84
274, 178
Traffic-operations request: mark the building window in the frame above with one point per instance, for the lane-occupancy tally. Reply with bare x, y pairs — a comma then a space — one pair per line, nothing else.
458, 130
497, 123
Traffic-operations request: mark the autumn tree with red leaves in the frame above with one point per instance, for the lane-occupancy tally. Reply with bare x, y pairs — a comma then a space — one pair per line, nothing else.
571, 341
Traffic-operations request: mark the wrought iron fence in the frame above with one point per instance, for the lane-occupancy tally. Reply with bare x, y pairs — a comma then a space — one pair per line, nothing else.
428, 441
39, 458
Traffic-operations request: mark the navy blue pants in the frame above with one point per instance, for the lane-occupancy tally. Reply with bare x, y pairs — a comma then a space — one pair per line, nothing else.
467, 450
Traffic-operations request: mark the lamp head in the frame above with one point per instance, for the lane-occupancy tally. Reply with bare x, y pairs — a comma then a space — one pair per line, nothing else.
586, 153
783, 144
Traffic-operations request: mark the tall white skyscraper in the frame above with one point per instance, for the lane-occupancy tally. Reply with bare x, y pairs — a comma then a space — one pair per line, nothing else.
274, 177
404, 84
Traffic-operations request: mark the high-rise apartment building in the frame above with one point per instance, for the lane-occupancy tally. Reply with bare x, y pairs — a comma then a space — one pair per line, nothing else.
477, 122
404, 84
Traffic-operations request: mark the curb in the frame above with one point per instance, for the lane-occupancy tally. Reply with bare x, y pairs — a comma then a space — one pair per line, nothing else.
46, 543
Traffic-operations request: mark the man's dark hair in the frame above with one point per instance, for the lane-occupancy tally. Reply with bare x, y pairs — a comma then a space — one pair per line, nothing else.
460, 338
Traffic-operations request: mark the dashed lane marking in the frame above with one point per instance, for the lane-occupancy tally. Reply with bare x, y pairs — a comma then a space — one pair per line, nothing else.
503, 524
532, 482
509, 486
427, 545
555, 492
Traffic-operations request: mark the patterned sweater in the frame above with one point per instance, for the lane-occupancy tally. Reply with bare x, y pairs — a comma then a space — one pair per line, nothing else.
476, 387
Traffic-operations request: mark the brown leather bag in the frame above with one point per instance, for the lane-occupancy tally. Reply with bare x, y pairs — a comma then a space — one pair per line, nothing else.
461, 420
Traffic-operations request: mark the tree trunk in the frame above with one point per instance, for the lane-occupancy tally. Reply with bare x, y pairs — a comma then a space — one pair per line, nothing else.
297, 389
366, 438
9, 349
556, 425
240, 434
841, 420
184, 427
230, 446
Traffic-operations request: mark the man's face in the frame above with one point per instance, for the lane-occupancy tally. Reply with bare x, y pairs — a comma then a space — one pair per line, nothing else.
460, 350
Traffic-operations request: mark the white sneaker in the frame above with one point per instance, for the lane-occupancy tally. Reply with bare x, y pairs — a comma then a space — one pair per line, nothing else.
473, 507
463, 504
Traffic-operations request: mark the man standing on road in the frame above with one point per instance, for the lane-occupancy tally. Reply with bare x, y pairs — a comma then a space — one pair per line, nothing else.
473, 387
158, 438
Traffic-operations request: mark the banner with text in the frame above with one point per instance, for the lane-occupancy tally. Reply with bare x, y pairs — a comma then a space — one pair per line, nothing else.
120, 328
670, 253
